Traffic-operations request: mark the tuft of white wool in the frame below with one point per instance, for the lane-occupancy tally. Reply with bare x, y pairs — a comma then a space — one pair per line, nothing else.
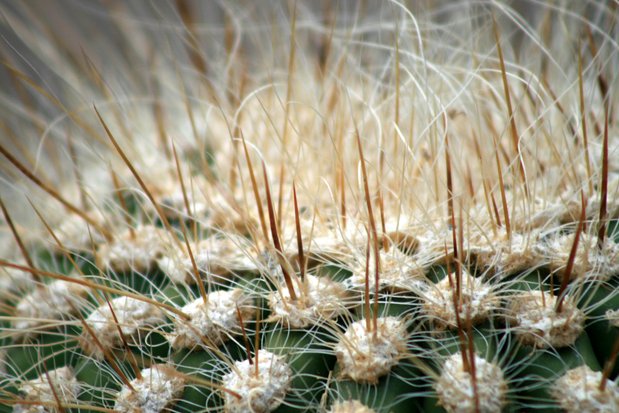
136, 250
505, 254
76, 234
158, 388
217, 257
350, 406
262, 390
537, 323
397, 272
365, 355
436, 244
46, 305
57, 385
319, 299
456, 391
477, 301
613, 317
212, 322
131, 316
578, 391
590, 262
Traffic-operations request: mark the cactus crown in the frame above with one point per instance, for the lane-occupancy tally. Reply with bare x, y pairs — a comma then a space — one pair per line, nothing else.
355, 207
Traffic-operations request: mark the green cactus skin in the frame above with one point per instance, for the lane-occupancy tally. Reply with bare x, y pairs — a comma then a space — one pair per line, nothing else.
282, 206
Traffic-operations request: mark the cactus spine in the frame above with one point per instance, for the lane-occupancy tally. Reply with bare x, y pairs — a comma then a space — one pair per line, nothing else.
257, 207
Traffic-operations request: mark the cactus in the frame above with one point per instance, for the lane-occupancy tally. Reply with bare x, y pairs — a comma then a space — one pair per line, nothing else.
273, 207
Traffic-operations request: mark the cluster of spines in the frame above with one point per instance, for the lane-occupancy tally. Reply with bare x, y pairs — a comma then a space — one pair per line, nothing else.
369, 324
154, 311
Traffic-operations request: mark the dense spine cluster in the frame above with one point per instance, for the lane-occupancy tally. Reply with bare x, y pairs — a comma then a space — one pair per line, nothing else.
272, 206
